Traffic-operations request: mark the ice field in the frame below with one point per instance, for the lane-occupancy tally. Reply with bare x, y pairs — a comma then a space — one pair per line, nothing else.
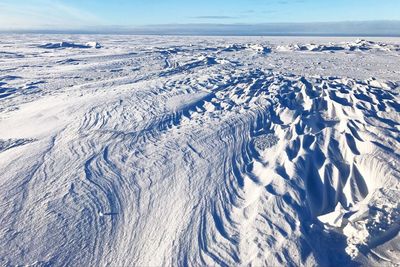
199, 151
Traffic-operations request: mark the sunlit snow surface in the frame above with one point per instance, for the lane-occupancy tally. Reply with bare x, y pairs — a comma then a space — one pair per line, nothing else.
199, 151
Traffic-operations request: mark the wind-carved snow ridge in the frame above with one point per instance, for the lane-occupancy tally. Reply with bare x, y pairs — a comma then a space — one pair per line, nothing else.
161, 153
358, 45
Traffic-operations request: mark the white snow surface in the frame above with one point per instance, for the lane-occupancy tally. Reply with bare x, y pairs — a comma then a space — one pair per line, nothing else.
199, 151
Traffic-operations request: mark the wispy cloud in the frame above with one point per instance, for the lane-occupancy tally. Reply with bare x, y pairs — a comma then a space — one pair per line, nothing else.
44, 14
215, 17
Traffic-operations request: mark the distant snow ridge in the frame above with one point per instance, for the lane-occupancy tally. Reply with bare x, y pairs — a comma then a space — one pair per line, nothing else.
70, 45
252, 47
258, 48
358, 45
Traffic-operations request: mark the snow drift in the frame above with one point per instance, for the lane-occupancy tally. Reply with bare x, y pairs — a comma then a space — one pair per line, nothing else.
164, 153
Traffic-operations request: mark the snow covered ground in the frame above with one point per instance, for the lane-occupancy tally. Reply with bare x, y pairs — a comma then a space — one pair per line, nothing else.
199, 151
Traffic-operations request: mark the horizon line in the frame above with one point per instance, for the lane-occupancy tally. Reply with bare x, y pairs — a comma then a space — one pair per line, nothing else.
370, 28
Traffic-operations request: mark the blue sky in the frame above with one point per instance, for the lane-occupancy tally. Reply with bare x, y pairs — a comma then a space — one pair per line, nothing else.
23, 14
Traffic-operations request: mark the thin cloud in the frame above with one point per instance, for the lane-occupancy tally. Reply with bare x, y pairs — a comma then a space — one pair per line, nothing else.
44, 13
214, 17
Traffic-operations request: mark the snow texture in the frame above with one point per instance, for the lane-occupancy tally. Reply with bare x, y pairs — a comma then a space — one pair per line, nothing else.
199, 151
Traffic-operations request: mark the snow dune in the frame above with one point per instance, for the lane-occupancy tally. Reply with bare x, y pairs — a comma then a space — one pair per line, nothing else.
228, 152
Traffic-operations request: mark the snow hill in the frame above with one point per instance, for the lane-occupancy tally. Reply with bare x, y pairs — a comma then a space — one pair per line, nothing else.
192, 151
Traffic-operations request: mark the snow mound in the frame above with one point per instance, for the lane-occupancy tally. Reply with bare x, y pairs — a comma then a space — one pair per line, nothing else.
259, 48
70, 45
309, 47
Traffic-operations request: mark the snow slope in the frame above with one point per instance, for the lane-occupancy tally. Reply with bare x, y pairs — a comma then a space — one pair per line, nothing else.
197, 151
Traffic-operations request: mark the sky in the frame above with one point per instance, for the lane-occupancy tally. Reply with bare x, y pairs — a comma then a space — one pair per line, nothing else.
71, 14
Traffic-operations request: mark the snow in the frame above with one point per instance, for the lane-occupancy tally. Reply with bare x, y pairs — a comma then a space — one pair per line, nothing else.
199, 151
70, 45
358, 45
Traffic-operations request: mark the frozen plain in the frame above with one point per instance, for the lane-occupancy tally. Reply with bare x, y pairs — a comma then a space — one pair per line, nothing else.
199, 151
